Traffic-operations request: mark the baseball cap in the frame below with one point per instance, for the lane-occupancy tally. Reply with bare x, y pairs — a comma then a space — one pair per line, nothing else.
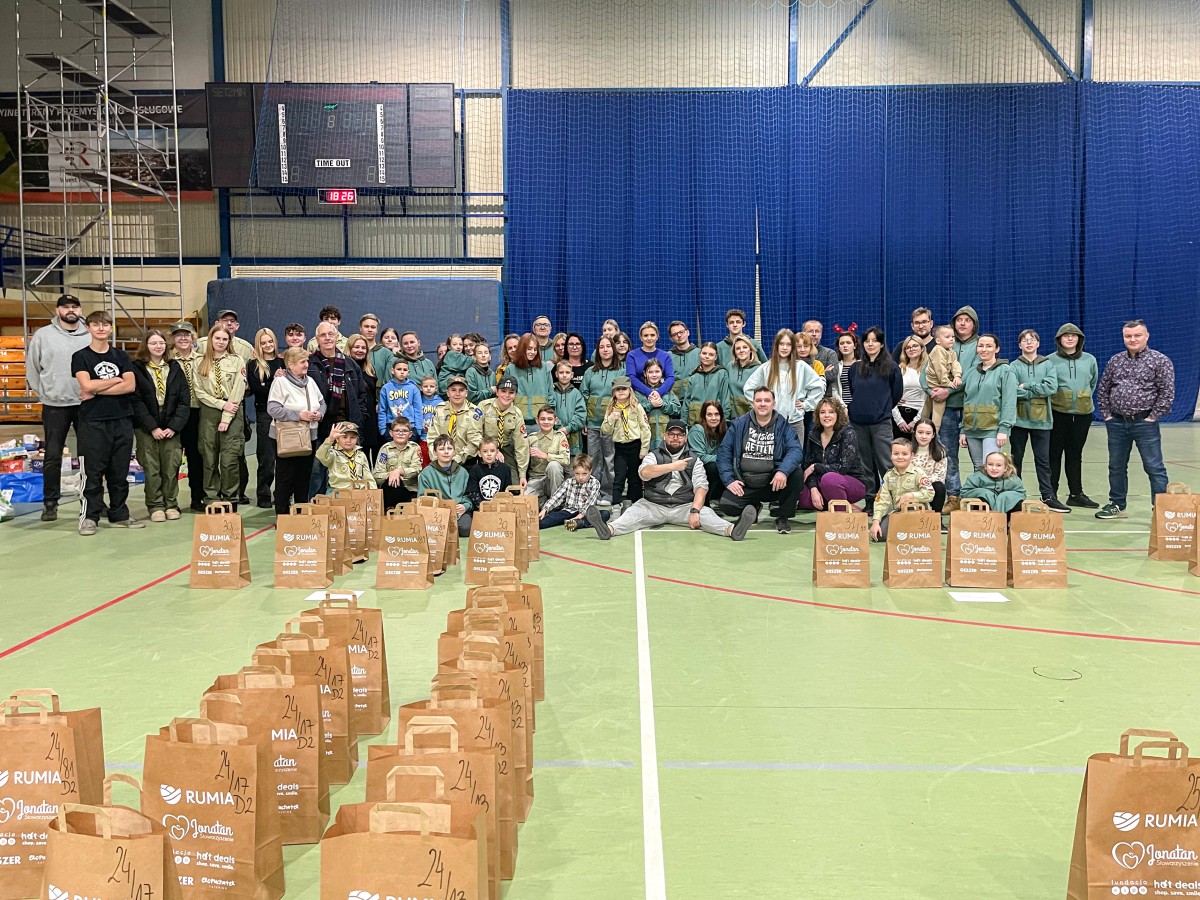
67, 300
349, 426
456, 379
183, 326
622, 381
507, 383
228, 312
676, 425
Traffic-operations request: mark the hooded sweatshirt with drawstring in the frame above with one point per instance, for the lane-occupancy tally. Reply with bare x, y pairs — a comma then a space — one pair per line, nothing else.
48, 363
965, 350
1078, 375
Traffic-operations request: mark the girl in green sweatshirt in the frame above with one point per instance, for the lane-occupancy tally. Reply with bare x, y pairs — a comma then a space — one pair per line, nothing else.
997, 484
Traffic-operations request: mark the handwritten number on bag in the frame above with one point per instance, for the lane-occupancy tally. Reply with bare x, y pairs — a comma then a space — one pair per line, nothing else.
124, 871
435, 868
239, 786
66, 765
1191, 803
487, 731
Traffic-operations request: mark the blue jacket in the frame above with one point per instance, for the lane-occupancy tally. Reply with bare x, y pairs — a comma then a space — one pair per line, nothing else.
874, 396
635, 364
788, 452
398, 399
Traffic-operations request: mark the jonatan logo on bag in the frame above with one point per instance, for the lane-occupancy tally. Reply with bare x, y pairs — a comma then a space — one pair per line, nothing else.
10, 808
1131, 854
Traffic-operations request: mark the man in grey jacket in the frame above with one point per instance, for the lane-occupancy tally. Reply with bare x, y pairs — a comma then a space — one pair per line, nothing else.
48, 373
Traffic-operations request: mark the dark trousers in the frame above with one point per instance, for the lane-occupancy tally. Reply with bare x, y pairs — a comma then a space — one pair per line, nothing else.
394, 496
908, 414
557, 517
939, 496
1039, 438
106, 448
1122, 436
291, 481
56, 422
243, 468
1067, 439
265, 453
190, 439
732, 505
716, 487
627, 484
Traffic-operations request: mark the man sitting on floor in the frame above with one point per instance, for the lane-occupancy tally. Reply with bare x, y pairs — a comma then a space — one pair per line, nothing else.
759, 461
675, 491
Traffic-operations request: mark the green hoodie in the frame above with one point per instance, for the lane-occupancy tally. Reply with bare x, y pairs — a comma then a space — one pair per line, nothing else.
1001, 494
452, 484
991, 405
1077, 377
597, 388
533, 391
966, 354
571, 410
480, 384
1040, 380
683, 362
703, 386
659, 416
453, 363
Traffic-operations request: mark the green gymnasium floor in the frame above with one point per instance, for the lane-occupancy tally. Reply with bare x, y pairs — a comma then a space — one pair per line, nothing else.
842, 746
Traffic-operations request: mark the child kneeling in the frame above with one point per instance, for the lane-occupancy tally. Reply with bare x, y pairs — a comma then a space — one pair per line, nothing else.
570, 502
398, 465
903, 481
447, 477
998, 484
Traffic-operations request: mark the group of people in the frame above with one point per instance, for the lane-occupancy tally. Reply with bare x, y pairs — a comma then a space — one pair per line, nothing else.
653, 435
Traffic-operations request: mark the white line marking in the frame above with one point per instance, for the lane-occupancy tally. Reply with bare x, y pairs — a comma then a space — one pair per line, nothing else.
656, 879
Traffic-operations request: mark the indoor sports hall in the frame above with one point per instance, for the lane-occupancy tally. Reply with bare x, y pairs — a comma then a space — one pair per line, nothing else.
714, 722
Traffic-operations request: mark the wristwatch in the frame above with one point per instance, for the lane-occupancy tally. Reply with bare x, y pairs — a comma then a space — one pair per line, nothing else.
694, 510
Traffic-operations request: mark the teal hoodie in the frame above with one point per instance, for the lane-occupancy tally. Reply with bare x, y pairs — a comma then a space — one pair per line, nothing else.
991, 404
534, 387
659, 416
453, 363
683, 364
571, 410
1001, 494
703, 386
480, 384
965, 350
1040, 378
702, 448
1077, 377
452, 484
596, 389
738, 404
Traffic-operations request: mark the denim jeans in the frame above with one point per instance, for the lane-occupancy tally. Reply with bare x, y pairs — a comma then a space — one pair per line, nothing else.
1122, 435
979, 448
948, 435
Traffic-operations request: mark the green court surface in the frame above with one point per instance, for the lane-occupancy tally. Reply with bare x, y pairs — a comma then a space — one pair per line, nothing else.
836, 744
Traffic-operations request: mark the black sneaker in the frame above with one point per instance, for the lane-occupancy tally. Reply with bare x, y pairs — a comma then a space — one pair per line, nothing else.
1057, 505
244, 500
50, 512
748, 517
596, 521
1082, 500
783, 526
1110, 511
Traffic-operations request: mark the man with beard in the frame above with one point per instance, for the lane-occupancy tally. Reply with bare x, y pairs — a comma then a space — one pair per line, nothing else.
676, 488
48, 372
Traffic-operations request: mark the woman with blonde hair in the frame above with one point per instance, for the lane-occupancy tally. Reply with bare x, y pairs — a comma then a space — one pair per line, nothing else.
797, 388
358, 348
264, 366
220, 382
294, 397
742, 364
912, 362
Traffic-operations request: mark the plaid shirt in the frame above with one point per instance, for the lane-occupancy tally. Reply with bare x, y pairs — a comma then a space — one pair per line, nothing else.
574, 496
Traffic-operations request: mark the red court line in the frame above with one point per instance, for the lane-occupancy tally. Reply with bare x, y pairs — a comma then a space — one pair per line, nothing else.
1157, 587
899, 615
103, 606
1176, 462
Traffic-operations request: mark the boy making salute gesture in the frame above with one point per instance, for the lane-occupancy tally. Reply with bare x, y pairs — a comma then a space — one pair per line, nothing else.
105, 376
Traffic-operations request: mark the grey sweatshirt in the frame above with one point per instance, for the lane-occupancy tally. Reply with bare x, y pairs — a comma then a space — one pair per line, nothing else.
48, 363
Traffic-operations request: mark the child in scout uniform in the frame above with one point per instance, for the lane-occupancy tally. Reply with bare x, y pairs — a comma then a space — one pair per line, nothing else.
998, 484
625, 422
398, 465
480, 378
398, 397
489, 476
460, 419
185, 352
549, 456
341, 456
503, 423
569, 406
450, 479
903, 481
659, 410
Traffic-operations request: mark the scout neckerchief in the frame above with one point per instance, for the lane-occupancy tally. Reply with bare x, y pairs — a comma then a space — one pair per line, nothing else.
350, 464
624, 419
219, 373
159, 372
186, 363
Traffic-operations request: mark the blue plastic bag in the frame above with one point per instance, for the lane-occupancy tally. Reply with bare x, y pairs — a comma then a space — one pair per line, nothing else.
26, 487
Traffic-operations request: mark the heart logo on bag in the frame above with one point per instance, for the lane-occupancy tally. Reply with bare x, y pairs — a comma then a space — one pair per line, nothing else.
170, 794
8, 806
1129, 855
178, 826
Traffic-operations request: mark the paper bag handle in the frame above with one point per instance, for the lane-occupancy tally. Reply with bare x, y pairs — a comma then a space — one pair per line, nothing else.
38, 692
300, 621
479, 661
277, 653
173, 728
268, 672
437, 701
975, 505
841, 506
1177, 753
1034, 506
490, 645
103, 818
321, 500
393, 513
15, 706
126, 779
912, 506
1144, 732
432, 493
1177, 487
439, 780
304, 509
339, 598
487, 598
218, 508
219, 697
363, 486
430, 725
380, 810
504, 575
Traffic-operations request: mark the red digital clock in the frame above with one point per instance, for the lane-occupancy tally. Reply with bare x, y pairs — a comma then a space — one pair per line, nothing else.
337, 195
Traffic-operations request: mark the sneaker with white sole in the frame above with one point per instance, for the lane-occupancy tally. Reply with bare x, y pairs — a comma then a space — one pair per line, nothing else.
172, 515
87, 527
131, 522
158, 515
1110, 511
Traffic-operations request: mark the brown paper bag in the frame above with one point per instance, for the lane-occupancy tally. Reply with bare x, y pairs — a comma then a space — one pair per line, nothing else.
219, 558
1173, 525
912, 556
372, 495
439, 524
977, 547
109, 853
528, 595
492, 542
517, 619
533, 534
339, 552
302, 548
403, 563
1136, 830
841, 547
470, 776
360, 630
450, 552
357, 523
205, 782
285, 717
316, 660
1037, 547
403, 850
508, 501
48, 757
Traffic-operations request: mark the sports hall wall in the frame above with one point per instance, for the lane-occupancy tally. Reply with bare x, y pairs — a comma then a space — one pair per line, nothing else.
844, 160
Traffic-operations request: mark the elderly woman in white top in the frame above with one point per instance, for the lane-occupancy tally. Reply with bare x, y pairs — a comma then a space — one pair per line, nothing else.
294, 397
798, 389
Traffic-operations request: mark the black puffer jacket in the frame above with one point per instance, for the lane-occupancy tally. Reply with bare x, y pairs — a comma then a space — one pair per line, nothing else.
841, 455
175, 409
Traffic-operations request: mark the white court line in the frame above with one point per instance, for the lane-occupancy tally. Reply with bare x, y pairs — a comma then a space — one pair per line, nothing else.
656, 878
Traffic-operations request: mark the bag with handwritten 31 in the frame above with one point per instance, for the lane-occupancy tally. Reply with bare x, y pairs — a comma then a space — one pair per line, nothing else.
205, 782
109, 852
48, 756
1137, 832
219, 558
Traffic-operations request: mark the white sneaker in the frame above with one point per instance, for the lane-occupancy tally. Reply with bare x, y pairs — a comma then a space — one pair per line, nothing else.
131, 522
158, 516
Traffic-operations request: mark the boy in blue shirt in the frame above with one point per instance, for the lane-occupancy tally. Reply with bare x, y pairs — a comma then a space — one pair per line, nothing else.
399, 397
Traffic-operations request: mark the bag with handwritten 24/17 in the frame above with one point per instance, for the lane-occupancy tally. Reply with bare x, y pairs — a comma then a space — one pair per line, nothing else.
1137, 826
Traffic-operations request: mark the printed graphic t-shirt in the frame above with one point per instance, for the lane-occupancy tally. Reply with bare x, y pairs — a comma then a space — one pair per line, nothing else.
758, 454
113, 363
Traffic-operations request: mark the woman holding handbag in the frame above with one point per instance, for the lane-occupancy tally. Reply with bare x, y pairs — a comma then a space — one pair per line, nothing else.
295, 405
